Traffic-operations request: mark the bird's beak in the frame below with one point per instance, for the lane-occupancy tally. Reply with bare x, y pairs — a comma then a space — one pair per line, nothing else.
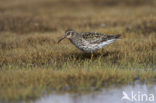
61, 39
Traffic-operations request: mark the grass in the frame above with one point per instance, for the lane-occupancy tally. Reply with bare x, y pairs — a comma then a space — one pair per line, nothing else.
28, 84
31, 61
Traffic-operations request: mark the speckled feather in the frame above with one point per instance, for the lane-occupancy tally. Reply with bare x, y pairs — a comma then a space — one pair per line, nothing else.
89, 41
95, 37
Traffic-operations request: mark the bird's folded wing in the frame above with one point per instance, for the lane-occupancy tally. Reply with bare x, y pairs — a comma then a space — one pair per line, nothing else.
94, 37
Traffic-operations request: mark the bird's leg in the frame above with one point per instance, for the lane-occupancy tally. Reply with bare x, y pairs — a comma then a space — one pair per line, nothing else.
91, 56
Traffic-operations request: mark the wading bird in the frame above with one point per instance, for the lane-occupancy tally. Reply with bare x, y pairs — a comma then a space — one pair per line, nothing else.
89, 41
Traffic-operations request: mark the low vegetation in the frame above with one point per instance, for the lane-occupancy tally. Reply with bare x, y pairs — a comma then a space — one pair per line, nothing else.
31, 61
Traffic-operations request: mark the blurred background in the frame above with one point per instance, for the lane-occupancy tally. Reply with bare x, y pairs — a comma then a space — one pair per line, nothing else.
24, 16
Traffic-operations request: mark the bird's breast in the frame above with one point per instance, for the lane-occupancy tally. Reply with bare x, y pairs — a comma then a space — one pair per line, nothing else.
84, 45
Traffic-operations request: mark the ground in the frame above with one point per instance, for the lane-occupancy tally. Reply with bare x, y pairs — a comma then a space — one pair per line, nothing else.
31, 61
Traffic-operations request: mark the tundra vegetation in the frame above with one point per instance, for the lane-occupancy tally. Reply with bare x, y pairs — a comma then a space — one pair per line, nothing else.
31, 61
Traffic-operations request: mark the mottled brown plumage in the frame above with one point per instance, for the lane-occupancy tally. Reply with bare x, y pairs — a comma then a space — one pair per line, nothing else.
89, 41
96, 37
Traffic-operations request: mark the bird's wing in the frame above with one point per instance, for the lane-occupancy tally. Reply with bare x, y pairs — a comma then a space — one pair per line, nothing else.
94, 37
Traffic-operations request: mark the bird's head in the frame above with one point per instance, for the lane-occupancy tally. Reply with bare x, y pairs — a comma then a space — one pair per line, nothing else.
69, 33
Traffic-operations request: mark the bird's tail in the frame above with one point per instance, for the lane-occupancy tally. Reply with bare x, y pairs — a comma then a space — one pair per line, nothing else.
116, 36
113, 37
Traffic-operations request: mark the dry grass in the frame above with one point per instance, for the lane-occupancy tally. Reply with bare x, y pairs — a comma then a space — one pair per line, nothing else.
19, 83
31, 61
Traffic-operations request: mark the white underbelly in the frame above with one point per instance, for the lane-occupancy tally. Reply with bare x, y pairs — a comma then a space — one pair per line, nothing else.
89, 48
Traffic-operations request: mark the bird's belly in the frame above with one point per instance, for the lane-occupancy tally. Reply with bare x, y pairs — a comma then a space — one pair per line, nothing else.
89, 48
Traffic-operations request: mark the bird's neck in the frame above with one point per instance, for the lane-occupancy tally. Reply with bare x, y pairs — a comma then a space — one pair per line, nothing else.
75, 39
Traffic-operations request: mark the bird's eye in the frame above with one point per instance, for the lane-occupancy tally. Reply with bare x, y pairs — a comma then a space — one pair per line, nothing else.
68, 33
